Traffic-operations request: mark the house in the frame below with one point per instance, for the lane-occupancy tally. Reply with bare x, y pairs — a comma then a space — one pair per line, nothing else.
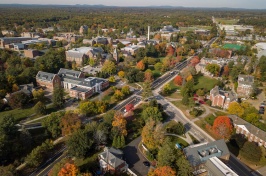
209, 158
222, 98
111, 160
31, 53
83, 29
245, 85
80, 54
251, 132
48, 80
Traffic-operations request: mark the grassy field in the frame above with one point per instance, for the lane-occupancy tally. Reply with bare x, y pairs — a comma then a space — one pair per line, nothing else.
226, 21
18, 114
192, 28
202, 82
233, 46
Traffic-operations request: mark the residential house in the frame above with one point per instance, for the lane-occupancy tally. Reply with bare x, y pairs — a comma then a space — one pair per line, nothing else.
48, 80
209, 158
221, 98
251, 132
31, 53
111, 160
80, 54
245, 85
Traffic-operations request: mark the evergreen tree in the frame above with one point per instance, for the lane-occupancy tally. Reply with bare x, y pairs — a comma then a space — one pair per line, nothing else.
58, 97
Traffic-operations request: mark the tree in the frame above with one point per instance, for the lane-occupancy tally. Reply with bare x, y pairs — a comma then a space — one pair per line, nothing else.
251, 151
152, 113
253, 118
162, 171
226, 71
185, 100
166, 89
79, 143
118, 95
121, 74
158, 66
125, 90
235, 108
111, 79
146, 92
152, 134
195, 60
213, 69
200, 92
70, 122
18, 100
69, 170
222, 126
120, 123
38, 95
178, 80
167, 154
87, 107
109, 67
148, 76
40, 108
140, 65
58, 97
183, 166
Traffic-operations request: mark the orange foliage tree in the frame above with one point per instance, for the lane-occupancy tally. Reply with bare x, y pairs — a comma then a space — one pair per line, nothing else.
226, 71
69, 170
222, 126
162, 171
121, 123
70, 122
195, 60
148, 77
170, 51
141, 65
178, 80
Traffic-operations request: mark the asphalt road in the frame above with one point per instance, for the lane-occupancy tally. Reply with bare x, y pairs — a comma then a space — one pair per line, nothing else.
134, 158
237, 167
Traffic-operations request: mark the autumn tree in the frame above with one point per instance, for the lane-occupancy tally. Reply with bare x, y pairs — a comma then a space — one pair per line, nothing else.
226, 71
148, 76
38, 95
140, 65
152, 134
236, 108
195, 60
109, 67
120, 123
162, 171
166, 90
69, 170
178, 80
125, 90
121, 74
152, 113
118, 95
18, 100
170, 50
70, 122
222, 126
213, 69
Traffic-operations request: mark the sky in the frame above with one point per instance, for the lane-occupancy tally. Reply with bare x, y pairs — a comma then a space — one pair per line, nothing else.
249, 4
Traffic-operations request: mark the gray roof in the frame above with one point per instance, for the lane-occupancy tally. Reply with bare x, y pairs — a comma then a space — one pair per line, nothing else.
251, 128
80, 89
112, 156
91, 81
228, 94
245, 79
45, 76
200, 153
74, 54
71, 73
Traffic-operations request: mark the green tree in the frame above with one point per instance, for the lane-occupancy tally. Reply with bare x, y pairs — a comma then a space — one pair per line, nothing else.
109, 67
167, 154
185, 100
38, 95
213, 69
147, 91
166, 89
79, 143
40, 108
152, 113
18, 100
52, 123
183, 166
251, 151
58, 97
125, 90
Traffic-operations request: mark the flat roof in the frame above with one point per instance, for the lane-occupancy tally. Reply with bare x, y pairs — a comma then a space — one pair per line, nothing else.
80, 89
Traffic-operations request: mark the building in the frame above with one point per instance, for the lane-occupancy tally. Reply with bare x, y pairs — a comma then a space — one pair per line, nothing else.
111, 160
209, 158
221, 98
9, 40
202, 32
48, 80
115, 55
131, 49
251, 132
98, 40
30, 34
83, 29
234, 29
169, 29
80, 54
74, 82
245, 85
31, 53
8, 33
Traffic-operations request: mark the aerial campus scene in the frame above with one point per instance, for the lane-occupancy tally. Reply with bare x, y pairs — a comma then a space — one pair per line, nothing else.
132, 88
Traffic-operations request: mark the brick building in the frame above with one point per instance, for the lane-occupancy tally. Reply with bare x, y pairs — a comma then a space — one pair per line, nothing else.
245, 85
48, 80
221, 98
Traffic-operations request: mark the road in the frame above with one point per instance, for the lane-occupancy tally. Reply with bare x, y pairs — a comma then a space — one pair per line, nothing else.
134, 158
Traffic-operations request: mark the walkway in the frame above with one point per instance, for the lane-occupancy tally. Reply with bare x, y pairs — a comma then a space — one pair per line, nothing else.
187, 139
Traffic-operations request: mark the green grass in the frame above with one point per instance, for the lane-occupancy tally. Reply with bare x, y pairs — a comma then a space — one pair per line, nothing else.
210, 119
88, 163
178, 140
18, 114
202, 82
194, 140
226, 21
233, 46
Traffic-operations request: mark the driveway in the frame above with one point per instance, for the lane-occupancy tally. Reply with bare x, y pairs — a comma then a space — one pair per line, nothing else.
134, 158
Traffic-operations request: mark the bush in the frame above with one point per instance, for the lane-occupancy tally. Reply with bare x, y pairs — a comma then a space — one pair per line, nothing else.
195, 112
251, 151
209, 102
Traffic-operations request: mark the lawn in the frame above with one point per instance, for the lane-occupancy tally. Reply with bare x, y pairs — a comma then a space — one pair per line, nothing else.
233, 46
183, 108
89, 163
18, 114
204, 82
174, 93
226, 21
180, 141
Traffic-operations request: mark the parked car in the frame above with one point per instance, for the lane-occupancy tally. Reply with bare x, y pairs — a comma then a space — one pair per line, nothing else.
261, 111
146, 163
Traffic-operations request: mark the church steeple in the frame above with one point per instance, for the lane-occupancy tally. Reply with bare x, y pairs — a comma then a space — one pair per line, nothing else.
115, 55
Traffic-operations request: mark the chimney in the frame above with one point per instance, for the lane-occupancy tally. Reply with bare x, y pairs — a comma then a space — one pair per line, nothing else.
149, 32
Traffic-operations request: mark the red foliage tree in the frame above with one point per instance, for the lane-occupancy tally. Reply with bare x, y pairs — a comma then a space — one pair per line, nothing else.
148, 77
162, 171
170, 51
178, 80
222, 126
141, 65
226, 70
195, 60
129, 107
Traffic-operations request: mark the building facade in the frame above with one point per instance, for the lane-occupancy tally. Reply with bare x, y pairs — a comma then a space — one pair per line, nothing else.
221, 98
48, 80
245, 85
